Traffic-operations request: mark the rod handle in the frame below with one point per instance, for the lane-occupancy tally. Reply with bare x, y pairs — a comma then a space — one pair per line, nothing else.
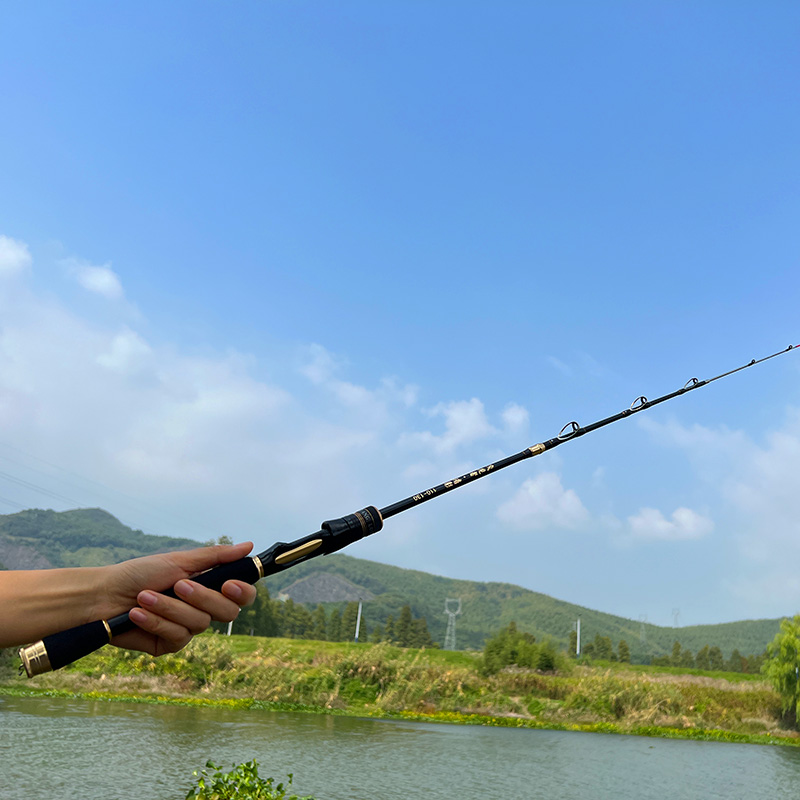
59, 649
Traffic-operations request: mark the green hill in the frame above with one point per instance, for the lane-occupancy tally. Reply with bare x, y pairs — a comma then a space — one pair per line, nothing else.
85, 537
486, 607
91, 537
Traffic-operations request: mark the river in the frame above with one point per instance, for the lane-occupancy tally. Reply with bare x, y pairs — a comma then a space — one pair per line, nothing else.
58, 748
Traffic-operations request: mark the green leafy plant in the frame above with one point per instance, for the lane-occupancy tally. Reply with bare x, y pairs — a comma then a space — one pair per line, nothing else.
242, 783
782, 666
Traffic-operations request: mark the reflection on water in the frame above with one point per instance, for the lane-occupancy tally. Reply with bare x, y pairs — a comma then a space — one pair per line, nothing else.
94, 750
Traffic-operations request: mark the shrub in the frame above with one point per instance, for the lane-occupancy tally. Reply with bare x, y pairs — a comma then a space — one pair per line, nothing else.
241, 783
512, 647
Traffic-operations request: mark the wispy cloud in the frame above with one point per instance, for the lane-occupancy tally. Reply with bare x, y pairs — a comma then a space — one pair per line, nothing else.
580, 364
756, 483
14, 256
683, 524
465, 421
99, 280
515, 419
543, 503
558, 364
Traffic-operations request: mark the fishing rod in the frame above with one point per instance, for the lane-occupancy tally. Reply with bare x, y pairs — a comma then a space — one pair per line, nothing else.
60, 649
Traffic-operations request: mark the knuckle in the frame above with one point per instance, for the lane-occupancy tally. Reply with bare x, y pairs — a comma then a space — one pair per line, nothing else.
174, 645
228, 613
199, 624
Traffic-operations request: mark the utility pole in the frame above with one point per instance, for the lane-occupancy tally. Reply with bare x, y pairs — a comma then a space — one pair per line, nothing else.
358, 619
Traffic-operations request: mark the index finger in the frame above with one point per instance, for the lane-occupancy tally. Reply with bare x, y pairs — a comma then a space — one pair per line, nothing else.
203, 558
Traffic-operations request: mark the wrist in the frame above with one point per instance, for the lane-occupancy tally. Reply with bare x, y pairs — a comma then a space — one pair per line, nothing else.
103, 600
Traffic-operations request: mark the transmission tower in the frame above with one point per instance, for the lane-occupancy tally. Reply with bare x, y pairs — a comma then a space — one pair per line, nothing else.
676, 612
642, 631
450, 636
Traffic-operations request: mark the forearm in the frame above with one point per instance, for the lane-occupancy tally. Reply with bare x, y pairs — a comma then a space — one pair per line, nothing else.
37, 603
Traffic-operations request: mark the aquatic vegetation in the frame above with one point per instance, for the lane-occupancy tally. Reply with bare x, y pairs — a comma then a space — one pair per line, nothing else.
242, 783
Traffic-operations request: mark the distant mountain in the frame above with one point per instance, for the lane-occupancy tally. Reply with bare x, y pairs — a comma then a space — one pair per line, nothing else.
486, 607
37, 539
326, 587
85, 537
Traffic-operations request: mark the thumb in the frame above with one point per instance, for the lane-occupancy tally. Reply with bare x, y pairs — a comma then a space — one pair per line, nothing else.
203, 558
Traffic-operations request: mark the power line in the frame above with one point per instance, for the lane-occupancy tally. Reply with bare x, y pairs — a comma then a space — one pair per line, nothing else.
133, 503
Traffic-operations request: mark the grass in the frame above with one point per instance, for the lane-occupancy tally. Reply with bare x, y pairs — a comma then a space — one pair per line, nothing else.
651, 669
432, 685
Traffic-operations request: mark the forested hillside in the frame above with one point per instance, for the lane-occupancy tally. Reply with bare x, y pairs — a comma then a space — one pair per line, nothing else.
85, 537
487, 607
89, 537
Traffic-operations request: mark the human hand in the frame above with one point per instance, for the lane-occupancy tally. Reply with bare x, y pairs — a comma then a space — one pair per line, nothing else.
167, 624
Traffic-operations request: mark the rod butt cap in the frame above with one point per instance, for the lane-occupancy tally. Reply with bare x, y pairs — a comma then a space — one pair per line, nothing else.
35, 659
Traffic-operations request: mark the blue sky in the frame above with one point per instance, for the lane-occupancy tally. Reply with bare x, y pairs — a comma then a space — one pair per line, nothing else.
266, 263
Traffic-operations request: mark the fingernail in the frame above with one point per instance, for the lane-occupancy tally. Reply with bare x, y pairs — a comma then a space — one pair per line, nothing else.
184, 588
147, 598
137, 615
233, 591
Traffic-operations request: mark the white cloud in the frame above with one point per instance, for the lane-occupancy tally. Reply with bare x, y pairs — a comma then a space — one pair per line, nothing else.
684, 524
756, 487
563, 368
206, 437
321, 368
542, 502
464, 421
14, 256
100, 280
515, 418
586, 365
318, 364
127, 352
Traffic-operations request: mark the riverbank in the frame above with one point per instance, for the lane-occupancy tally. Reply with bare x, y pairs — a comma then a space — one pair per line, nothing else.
427, 685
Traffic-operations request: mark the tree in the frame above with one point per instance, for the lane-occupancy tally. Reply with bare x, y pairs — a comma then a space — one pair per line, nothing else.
624, 652
782, 666
319, 628
335, 626
260, 618
390, 634
224, 539
572, 647
514, 647
755, 662
295, 620
702, 660
737, 662
349, 618
715, 659
603, 649
402, 630
420, 635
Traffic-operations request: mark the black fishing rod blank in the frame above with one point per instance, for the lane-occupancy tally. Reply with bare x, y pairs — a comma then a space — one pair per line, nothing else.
60, 649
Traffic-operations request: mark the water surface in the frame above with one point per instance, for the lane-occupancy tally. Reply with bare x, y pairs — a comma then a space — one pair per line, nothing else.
58, 748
